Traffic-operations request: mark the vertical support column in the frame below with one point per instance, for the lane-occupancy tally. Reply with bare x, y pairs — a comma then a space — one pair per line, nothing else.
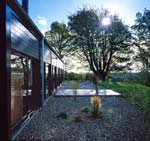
61, 75
44, 81
50, 79
25, 5
43, 76
55, 78
5, 79
36, 83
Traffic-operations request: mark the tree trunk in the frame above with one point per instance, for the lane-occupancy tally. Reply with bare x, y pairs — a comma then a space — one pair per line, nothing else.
96, 88
101, 75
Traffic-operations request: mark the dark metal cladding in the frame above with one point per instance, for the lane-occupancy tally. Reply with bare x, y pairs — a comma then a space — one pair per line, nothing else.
25, 5
22, 40
4, 72
28, 66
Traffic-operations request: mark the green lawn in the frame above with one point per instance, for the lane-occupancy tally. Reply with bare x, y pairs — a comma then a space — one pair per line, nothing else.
137, 93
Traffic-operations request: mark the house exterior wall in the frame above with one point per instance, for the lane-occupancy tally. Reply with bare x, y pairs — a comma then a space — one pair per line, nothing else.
20, 37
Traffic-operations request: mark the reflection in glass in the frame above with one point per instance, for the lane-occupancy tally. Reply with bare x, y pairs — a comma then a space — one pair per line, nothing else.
20, 1
17, 83
21, 86
29, 77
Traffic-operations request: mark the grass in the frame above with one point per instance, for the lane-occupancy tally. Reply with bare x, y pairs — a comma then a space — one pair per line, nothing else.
137, 93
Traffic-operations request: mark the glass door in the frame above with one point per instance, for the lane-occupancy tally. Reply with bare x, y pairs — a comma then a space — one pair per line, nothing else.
17, 90
21, 87
27, 97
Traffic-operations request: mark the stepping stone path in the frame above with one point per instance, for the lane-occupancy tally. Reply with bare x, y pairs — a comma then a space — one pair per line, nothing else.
85, 89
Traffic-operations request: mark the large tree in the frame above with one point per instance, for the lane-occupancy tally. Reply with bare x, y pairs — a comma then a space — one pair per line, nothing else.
58, 37
141, 30
106, 47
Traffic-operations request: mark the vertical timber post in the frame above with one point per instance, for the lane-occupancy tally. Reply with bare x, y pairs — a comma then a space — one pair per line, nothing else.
43, 77
55, 77
50, 79
5, 79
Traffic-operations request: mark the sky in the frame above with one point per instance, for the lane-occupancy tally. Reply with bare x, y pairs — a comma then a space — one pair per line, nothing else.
44, 12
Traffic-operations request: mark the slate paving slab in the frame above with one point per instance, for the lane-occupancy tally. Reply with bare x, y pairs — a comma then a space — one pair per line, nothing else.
85, 89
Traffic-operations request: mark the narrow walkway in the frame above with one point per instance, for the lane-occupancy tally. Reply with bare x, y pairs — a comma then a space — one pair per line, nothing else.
120, 121
85, 89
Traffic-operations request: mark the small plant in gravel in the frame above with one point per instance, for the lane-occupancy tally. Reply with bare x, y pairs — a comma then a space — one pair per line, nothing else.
62, 115
96, 102
78, 117
75, 86
85, 109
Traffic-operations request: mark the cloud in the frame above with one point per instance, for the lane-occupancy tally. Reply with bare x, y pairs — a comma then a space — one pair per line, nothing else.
42, 21
43, 31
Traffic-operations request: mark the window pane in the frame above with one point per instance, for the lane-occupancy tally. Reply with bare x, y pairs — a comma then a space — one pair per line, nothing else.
29, 77
21, 87
17, 83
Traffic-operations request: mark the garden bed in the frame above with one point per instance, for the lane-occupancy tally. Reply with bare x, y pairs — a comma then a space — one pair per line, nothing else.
120, 120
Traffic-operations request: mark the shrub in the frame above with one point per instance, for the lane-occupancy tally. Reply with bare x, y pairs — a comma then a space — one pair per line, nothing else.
78, 117
72, 76
88, 76
96, 101
62, 115
81, 77
85, 109
144, 78
75, 86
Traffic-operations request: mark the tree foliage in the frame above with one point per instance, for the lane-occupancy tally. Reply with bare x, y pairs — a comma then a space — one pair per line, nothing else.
141, 30
58, 37
105, 47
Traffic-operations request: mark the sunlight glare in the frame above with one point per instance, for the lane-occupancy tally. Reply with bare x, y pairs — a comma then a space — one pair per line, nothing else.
106, 21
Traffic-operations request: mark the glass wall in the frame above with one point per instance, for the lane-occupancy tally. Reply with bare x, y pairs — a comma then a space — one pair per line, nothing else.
17, 83
21, 86
29, 73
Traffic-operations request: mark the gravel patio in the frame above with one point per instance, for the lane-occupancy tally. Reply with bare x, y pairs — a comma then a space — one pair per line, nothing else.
120, 121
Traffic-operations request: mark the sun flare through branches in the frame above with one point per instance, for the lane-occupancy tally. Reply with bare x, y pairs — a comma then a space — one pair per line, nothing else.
106, 21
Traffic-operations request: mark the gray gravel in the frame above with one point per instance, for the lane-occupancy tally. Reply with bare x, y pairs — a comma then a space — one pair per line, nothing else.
120, 121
